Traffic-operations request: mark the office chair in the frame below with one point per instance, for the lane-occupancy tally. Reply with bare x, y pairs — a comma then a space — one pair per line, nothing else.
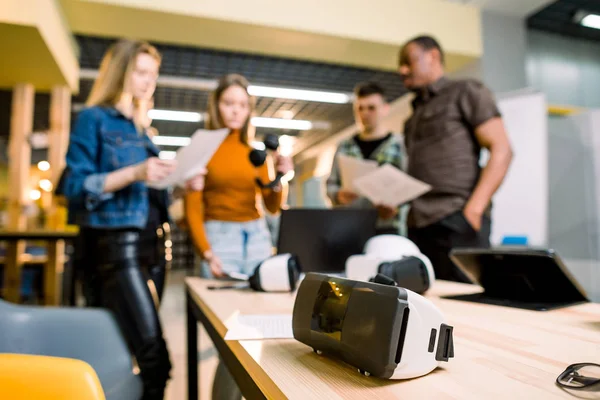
23, 376
89, 335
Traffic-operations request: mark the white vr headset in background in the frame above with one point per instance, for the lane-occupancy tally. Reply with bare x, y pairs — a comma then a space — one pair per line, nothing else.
396, 257
278, 273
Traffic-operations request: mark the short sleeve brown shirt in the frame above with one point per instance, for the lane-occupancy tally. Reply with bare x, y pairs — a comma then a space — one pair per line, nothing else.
442, 148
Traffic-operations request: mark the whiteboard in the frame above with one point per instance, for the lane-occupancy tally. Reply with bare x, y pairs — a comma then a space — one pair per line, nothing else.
520, 206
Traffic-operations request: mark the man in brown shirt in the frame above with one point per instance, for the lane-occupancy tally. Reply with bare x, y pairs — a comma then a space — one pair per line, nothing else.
451, 122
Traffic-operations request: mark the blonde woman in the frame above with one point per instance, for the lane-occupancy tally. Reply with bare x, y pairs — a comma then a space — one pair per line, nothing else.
226, 219
110, 162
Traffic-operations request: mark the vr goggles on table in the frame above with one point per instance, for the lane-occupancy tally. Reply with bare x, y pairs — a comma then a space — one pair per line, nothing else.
394, 257
383, 330
279, 273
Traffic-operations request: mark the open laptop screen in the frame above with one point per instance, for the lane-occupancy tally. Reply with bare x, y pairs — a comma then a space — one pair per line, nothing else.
323, 239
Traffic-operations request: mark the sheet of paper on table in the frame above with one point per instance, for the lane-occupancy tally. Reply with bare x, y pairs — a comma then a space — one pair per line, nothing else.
192, 158
255, 327
389, 186
352, 168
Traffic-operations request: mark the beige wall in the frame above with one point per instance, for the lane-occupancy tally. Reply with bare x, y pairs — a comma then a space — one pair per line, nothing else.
350, 32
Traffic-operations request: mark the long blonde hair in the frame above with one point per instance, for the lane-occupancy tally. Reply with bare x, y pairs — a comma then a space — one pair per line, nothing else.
215, 121
115, 70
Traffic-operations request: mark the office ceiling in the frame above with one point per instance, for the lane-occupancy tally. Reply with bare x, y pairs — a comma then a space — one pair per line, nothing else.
202, 64
558, 18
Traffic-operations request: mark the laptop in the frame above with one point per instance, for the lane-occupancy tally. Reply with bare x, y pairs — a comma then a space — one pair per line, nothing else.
526, 278
323, 239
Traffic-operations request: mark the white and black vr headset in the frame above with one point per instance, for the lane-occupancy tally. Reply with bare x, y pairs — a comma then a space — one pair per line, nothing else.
397, 258
382, 330
278, 273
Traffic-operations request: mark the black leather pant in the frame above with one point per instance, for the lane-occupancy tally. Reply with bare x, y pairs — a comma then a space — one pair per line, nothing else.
118, 279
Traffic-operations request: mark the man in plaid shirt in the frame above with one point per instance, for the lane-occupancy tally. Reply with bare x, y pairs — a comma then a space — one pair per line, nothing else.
373, 142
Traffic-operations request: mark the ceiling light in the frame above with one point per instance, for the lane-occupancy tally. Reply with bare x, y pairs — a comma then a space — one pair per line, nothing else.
169, 115
299, 94
255, 90
46, 185
35, 194
280, 123
591, 21
171, 140
167, 155
43, 165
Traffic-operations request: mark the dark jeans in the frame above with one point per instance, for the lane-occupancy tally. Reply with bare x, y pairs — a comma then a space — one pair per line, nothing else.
436, 241
117, 280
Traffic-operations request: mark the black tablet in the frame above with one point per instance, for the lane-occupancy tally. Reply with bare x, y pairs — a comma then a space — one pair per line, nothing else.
533, 279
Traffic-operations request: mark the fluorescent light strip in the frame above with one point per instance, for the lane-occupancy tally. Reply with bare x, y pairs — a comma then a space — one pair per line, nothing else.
169, 115
280, 123
299, 94
255, 90
167, 155
591, 21
171, 140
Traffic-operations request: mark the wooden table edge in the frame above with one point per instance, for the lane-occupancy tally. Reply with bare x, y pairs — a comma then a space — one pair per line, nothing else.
258, 375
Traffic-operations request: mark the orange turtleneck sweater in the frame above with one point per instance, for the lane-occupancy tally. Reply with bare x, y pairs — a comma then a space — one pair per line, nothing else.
230, 191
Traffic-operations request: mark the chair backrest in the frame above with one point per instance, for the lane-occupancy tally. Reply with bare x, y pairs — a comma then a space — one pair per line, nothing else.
89, 335
16, 335
47, 378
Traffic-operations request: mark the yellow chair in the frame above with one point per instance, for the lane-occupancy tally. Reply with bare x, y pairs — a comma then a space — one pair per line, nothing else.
47, 378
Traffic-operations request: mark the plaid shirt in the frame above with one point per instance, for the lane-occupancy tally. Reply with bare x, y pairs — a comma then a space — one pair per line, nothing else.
390, 151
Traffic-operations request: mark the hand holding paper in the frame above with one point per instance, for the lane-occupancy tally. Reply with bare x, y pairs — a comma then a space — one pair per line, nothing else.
192, 159
353, 168
390, 187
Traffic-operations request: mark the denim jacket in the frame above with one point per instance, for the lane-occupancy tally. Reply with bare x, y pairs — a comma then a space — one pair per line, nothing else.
102, 141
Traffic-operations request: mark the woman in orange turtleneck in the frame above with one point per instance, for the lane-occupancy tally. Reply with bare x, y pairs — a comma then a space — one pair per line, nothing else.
226, 219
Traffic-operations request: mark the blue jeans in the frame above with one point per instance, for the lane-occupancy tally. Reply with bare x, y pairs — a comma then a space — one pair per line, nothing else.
241, 246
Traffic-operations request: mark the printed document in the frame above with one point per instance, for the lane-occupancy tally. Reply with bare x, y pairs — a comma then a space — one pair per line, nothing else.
390, 187
352, 168
253, 327
192, 158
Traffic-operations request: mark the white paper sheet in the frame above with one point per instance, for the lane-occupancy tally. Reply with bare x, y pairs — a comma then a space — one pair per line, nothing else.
253, 327
389, 186
193, 157
352, 168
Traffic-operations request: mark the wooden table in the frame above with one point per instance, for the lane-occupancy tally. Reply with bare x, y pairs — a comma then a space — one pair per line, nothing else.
500, 353
53, 266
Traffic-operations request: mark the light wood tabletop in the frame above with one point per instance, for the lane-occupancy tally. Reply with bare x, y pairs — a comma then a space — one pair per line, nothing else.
38, 234
499, 353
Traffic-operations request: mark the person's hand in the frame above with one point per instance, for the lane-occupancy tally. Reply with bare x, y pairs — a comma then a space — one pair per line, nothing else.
473, 215
283, 164
196, 183
154, 170
215, 264
386, 212
345, 197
